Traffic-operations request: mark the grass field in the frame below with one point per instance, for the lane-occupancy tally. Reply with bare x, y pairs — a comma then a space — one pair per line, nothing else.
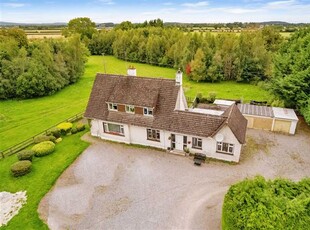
38, 182
21, 119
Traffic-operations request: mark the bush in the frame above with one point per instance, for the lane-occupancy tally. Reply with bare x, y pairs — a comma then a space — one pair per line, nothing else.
25, 155
80, 127
262, 204
74, 130
42, 138
43, 148
58, 140
56, 133
21, 168
65, 127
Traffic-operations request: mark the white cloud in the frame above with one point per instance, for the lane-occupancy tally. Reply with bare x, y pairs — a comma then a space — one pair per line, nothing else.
159, 12
239, 10
197, 4
14, 4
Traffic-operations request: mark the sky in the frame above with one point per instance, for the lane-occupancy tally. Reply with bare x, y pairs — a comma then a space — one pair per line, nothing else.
211, 11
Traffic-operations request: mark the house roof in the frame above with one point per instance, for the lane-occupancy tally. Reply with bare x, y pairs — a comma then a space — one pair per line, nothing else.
162, 95
256, 110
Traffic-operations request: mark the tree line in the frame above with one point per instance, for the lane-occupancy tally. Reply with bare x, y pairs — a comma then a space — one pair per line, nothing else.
38, 68
204, 57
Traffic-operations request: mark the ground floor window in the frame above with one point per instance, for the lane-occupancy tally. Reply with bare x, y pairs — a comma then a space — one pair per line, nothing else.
223, 147
113, 129
197, 143
153, 135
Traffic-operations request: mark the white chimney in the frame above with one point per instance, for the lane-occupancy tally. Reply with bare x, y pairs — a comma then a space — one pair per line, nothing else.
131, 71
178, 77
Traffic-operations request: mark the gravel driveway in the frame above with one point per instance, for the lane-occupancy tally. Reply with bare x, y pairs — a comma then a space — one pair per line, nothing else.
114, 186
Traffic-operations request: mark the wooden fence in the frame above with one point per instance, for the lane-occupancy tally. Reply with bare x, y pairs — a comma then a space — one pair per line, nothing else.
24, 144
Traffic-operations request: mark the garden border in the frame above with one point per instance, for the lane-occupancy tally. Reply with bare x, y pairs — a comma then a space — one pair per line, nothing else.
24, 144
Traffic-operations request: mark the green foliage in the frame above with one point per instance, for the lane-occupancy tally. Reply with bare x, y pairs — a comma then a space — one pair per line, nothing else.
21, 168
80, 127
42, 138
74, 130
291, 80
83, 26
25, 155
262, 204
44, 148
210, 58
42, 68
17, 34
56, 133
65, 127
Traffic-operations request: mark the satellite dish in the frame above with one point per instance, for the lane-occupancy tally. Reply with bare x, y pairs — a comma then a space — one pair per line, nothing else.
219, 137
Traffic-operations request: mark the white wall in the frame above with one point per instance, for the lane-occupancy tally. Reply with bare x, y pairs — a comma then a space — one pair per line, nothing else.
138, 135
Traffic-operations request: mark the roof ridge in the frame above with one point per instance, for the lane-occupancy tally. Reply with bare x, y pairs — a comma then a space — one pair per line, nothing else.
136, 77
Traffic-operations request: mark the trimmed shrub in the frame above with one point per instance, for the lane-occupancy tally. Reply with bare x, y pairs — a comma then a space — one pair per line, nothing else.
53, 139
25, 155
65, 127
80, 127
56, 133
42, 138
58, 140
266, 204
21, 168
74, 130
44, 148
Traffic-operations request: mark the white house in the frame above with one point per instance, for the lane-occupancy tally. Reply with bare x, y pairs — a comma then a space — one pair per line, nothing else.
154, 112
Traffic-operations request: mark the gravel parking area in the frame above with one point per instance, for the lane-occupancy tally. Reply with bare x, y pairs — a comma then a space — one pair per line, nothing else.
114, 186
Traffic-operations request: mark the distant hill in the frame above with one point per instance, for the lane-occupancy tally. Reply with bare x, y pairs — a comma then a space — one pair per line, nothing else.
32, 24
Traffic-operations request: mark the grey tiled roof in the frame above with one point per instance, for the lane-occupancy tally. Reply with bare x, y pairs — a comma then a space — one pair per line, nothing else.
264, 111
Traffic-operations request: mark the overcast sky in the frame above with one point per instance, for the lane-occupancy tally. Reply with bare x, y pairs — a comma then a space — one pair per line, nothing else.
169, 10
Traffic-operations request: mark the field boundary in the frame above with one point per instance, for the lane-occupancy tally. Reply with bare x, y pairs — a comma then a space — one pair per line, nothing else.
24, 144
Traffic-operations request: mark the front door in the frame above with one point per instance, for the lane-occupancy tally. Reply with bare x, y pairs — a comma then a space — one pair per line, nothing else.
177, 142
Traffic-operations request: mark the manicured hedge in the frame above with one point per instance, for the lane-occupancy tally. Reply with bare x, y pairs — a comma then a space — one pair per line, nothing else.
65, 127
56, 133
25, 155
43, 148
42, 138
266, 204
21, 168
80, 127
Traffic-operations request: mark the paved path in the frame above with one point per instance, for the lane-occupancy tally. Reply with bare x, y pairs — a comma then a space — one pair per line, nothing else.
114, 186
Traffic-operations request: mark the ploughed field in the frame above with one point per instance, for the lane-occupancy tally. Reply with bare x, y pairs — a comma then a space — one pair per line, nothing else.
21, 119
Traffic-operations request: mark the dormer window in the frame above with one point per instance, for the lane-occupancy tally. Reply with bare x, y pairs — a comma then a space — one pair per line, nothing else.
148, 111
130, 109
113, 106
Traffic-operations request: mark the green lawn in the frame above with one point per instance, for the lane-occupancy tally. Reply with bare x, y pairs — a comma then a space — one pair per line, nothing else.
38, 182
21, 119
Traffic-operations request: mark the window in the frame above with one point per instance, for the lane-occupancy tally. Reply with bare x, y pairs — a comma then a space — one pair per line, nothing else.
113, 129
113, 106
148, 111
153, 135
197, 143
223, 147
130, 109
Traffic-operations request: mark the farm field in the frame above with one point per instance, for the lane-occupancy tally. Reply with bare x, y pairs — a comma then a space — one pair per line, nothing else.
40, 34
21, 119
38, 182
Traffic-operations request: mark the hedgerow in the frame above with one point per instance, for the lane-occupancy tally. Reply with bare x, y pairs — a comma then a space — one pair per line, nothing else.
266, 204
43, 148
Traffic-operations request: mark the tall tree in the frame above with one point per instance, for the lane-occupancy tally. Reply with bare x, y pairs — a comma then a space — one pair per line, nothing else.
292, 72
198, 66
83, 26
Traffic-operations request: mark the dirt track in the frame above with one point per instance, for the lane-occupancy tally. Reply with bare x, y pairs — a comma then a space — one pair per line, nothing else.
114, 186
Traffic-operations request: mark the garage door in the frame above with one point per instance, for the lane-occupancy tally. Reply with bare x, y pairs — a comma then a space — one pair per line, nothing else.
282, 126
262, 123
